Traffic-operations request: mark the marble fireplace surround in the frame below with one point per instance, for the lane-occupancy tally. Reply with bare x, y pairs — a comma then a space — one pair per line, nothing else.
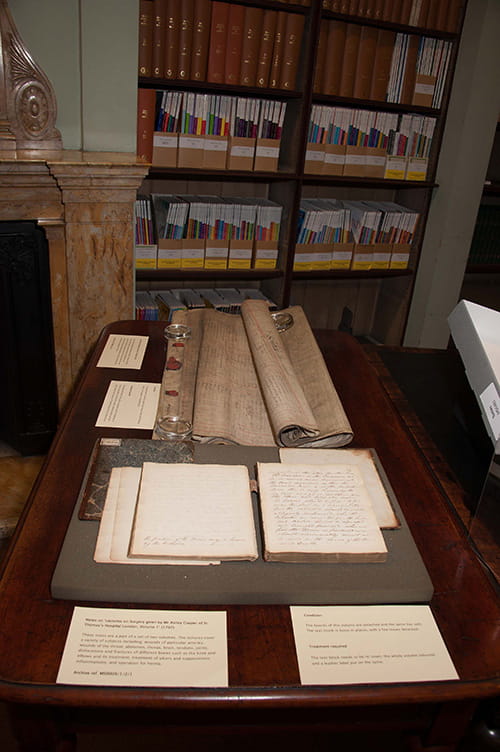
84, 202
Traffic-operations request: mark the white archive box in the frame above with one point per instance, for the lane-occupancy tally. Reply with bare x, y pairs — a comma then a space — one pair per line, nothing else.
476, 333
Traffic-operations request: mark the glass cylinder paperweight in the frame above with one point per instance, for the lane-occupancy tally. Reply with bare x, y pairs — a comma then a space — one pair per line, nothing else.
282, 320
177, 332
173, 428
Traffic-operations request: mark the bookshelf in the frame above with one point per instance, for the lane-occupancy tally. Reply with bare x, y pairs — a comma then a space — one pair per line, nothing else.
371, 302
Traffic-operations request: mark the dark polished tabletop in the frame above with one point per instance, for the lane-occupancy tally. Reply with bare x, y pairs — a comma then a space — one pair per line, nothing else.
263, 670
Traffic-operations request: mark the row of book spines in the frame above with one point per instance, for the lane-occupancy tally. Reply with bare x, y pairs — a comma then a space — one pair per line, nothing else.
396, 134
205, 40
440, 15
207, 254
362, 62
216, 114
351, 256
159, 305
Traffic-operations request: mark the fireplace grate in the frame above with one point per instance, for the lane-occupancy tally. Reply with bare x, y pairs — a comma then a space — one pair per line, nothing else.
28, 417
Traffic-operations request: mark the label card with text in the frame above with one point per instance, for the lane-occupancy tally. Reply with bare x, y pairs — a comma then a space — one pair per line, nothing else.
143, 648
123, 351
129, 404
369, 644
490, 400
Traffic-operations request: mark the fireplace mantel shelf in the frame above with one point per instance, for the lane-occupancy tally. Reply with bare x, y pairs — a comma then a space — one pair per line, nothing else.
85, 202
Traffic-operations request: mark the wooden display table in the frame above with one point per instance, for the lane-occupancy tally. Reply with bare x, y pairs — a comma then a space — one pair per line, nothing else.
264, 687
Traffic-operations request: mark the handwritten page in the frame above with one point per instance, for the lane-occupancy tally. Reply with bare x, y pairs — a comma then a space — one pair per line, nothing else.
194, 511
317, 513
145, 648
123, 351
115, 527
365, 644
129, 404
364, 459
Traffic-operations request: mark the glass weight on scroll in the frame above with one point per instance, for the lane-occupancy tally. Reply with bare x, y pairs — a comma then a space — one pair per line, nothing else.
177, 332
173, 428
282, 321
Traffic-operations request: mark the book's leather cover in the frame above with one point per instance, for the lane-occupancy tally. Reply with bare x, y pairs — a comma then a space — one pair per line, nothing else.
349, 61
172, 21
252, 28
266, 45
217, 47
145, 55
201, 36
186, 38
321, 58
365, 62
405, 10
292, 42
158, 58
410, 72
403, 578
277, 56
378, 10
335, 46
234, 44
382, 64
453, 18
432, 15
146, 107
423, 13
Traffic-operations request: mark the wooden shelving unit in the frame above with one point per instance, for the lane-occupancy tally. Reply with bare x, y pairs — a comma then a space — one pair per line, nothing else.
378, 300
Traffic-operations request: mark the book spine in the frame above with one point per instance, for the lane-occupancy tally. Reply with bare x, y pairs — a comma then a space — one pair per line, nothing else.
321, 58
266, 44
145, 55
410, 73
146, 106
172, 21
186, 38
217, 48
234, 43
158, 56
365, 62
382, 64
291, 50
252, 28
275, 71
336, 46
201, 34
347, 76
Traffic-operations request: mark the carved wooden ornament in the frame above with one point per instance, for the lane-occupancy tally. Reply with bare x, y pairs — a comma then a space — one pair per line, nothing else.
28, 107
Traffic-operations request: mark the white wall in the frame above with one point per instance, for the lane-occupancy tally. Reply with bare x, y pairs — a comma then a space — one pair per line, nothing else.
88, 50
468, 137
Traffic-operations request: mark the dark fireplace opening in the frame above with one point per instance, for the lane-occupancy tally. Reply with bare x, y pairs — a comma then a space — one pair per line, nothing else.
28, 417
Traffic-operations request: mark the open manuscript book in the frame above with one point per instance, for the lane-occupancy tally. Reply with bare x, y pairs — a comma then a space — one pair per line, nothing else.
239, 380
328, 510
